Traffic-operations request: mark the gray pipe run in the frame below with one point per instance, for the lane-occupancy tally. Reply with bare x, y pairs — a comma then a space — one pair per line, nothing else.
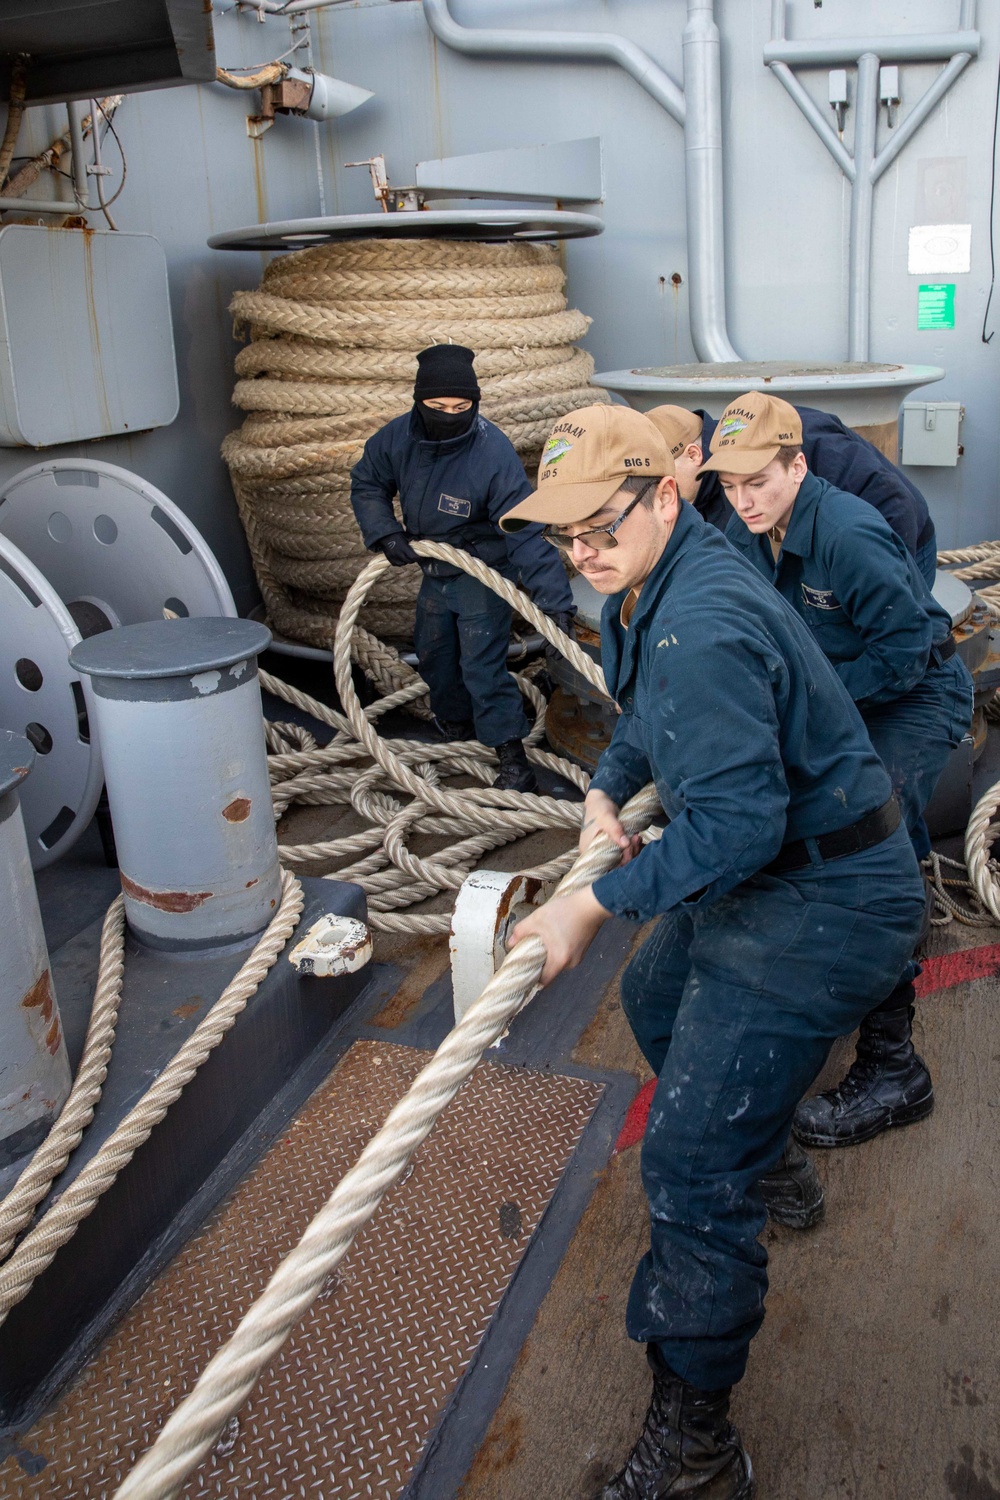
698, 108
864, 169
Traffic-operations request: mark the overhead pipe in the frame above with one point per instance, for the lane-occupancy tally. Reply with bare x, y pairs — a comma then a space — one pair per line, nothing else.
698, 108
865, 167
77, 109
706, 242
862, 209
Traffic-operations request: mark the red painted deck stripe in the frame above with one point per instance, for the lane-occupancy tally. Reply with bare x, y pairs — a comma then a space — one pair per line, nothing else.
955, 968
635, 1121
939, 974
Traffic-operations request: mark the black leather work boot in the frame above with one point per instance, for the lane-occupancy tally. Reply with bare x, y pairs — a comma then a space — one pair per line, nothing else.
888, 1084
451, 730
516, 774
793, 1194
687, 1447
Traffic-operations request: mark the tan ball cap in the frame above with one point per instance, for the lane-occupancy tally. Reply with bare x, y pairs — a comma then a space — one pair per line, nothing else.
751, 430
586, 459
677, 426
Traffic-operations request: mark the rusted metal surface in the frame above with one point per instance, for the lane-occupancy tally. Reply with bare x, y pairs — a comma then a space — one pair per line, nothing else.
333, 945
347, 1405
577, 729
488, 906
165, 900
237, 812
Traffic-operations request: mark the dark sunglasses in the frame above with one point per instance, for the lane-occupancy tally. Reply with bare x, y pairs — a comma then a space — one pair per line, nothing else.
601, 538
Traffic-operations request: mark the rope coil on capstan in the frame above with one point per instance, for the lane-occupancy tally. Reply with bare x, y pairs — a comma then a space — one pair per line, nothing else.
334, 335
232, 1373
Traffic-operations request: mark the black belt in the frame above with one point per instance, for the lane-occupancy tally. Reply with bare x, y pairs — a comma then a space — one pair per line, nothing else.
942, 651
864, 834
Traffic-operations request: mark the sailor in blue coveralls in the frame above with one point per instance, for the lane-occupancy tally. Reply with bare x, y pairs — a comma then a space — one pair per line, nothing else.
852, 581
456, 475
787, 893
833, 452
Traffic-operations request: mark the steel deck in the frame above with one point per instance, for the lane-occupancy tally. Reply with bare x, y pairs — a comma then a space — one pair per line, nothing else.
349, 1403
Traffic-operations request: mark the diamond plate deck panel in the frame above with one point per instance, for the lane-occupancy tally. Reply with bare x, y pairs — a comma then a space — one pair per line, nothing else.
346, 1407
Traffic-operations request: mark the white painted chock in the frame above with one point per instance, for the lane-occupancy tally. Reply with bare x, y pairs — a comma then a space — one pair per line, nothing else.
332, 946
490, 903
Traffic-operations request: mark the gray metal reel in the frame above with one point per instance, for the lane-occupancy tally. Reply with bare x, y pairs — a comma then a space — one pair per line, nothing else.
43, 698
113, 547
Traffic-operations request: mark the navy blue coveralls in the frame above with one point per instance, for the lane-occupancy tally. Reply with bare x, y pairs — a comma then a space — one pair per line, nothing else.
858, 589
455, 491
729, 706
845, 459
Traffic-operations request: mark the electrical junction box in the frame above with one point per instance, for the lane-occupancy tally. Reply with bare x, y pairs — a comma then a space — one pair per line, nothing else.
930, 433
86, 342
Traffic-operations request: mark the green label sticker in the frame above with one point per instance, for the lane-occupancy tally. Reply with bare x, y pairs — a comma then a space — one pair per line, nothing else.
936, 305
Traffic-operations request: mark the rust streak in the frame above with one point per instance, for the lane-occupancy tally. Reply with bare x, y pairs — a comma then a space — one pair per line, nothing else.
40, 995
238, 810
53, 1037
164, 900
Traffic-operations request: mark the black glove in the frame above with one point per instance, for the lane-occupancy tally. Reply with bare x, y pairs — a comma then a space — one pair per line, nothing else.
564, 619
397, 549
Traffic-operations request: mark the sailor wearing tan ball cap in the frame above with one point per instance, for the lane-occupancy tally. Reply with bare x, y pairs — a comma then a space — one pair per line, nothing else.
782, 860
853, 583
833, 452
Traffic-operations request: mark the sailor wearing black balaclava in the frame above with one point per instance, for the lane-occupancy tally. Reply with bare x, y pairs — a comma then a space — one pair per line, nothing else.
455, 475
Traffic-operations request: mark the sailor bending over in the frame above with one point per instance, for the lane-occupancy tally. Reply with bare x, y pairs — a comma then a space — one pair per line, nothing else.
853, 583
787, 896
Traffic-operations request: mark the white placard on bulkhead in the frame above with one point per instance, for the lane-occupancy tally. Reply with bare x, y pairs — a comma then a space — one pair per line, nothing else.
944, 249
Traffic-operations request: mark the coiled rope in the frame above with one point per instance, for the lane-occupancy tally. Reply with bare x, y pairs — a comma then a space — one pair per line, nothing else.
361, 769
334, 333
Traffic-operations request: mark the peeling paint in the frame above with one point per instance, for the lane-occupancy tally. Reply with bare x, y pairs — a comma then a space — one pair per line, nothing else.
179, 901
237, 811
206, 682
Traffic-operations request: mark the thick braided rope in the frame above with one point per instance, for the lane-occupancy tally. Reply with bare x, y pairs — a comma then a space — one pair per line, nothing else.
232, 1373
334, 332
392, 329
979, 837
17, 1208
39, 1247
341, 773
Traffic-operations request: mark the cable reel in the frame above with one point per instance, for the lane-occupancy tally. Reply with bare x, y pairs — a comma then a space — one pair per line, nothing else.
86, 546
42, 698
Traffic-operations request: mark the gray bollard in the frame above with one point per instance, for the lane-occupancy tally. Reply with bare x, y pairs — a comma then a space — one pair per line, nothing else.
181, 730
34, 1069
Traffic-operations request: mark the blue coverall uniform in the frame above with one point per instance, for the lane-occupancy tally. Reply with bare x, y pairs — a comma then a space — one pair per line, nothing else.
455, 491
852, 581
845, 459
729, 706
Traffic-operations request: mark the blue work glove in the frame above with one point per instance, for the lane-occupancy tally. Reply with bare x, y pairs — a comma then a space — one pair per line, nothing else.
397, 549
564, 619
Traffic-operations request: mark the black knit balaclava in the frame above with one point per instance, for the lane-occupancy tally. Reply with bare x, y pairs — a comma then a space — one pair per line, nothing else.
445, 370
